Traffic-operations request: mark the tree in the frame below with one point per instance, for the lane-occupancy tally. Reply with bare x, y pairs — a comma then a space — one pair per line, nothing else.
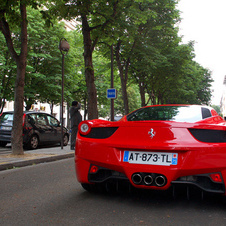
145, 31
217, 109
14, 11
147, 50
14, 14
43, 69
97, 18
43, 76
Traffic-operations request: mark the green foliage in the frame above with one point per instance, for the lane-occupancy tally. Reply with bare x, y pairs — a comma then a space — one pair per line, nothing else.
43, 77
217, 109
75, 86
148, 34
7, 73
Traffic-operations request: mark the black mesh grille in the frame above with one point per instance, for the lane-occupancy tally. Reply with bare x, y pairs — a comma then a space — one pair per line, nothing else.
209, 136
101, 132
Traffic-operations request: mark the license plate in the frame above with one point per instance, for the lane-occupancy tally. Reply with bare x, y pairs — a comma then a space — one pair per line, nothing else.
6, 128
151, 158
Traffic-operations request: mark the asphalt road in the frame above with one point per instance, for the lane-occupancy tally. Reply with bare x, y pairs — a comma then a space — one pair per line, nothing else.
48, 194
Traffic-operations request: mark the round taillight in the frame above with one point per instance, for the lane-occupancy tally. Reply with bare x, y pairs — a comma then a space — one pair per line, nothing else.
85, 128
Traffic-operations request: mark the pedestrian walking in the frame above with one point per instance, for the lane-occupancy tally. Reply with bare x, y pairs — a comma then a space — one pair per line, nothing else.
75, 118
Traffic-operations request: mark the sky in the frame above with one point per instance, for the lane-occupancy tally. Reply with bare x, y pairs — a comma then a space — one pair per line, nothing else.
204, 21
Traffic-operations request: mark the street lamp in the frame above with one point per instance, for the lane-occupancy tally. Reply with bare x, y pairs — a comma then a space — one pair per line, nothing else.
64, 48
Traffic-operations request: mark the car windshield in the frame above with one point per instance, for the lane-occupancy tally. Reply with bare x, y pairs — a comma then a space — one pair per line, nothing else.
167, 113
6, 117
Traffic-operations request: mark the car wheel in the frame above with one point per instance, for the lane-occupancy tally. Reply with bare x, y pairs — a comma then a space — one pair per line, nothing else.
66, 139
3, 143
33, 142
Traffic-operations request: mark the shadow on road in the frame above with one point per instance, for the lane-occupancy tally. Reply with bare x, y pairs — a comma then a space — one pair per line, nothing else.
184, 195
140, 207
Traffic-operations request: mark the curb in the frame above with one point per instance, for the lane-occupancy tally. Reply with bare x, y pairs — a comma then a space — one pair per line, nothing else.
35, 161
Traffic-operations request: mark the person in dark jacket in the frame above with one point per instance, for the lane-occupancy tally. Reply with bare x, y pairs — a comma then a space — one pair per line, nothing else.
75, 118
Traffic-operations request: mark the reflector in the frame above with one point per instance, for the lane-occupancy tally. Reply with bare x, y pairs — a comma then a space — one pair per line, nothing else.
216, 177
93, 169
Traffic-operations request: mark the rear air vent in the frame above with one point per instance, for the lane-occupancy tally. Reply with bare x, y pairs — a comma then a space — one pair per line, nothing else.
209, 136
101, 132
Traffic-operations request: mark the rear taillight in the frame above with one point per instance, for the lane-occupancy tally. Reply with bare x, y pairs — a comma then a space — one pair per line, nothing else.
84, 128
24, 116
88, 130
209, 135
100, 132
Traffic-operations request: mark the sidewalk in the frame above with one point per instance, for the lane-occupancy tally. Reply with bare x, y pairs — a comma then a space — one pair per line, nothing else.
40, 155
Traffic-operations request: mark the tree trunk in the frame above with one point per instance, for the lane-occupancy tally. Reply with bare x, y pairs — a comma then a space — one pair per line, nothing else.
153, 98
124, 78
2, 104
89, 71
124, 94
142, 93
51, 108
17, 131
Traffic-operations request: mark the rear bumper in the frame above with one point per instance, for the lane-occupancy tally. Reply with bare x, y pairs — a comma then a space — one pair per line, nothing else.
4, 137
7, 138
195, 164
148, 180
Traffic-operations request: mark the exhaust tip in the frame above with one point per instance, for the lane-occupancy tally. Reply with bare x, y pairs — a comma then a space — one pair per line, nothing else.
148, 179
160, 181
136, 178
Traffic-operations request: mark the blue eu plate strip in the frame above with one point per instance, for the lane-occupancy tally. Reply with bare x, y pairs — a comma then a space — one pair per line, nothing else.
126, 156
174, 159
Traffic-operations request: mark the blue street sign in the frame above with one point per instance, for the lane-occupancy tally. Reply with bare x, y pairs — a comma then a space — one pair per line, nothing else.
111, 93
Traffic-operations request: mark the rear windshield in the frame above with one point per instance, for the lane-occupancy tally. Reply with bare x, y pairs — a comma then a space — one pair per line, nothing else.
6, 117
169, 113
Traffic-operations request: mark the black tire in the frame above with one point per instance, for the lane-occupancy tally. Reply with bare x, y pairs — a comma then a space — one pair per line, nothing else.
33, 142
3, 143
94, 188
89, 187
66, 140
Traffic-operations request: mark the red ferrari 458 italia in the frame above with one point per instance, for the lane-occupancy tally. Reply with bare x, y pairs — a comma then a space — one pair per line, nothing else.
154, 147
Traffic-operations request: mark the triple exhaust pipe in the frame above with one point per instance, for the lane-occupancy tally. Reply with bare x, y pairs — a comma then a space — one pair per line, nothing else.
149, 179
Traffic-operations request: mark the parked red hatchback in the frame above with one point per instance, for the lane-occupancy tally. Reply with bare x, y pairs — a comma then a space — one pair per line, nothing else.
38, 128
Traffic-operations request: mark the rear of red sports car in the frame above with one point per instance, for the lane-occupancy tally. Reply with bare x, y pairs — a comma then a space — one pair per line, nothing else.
154, 148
